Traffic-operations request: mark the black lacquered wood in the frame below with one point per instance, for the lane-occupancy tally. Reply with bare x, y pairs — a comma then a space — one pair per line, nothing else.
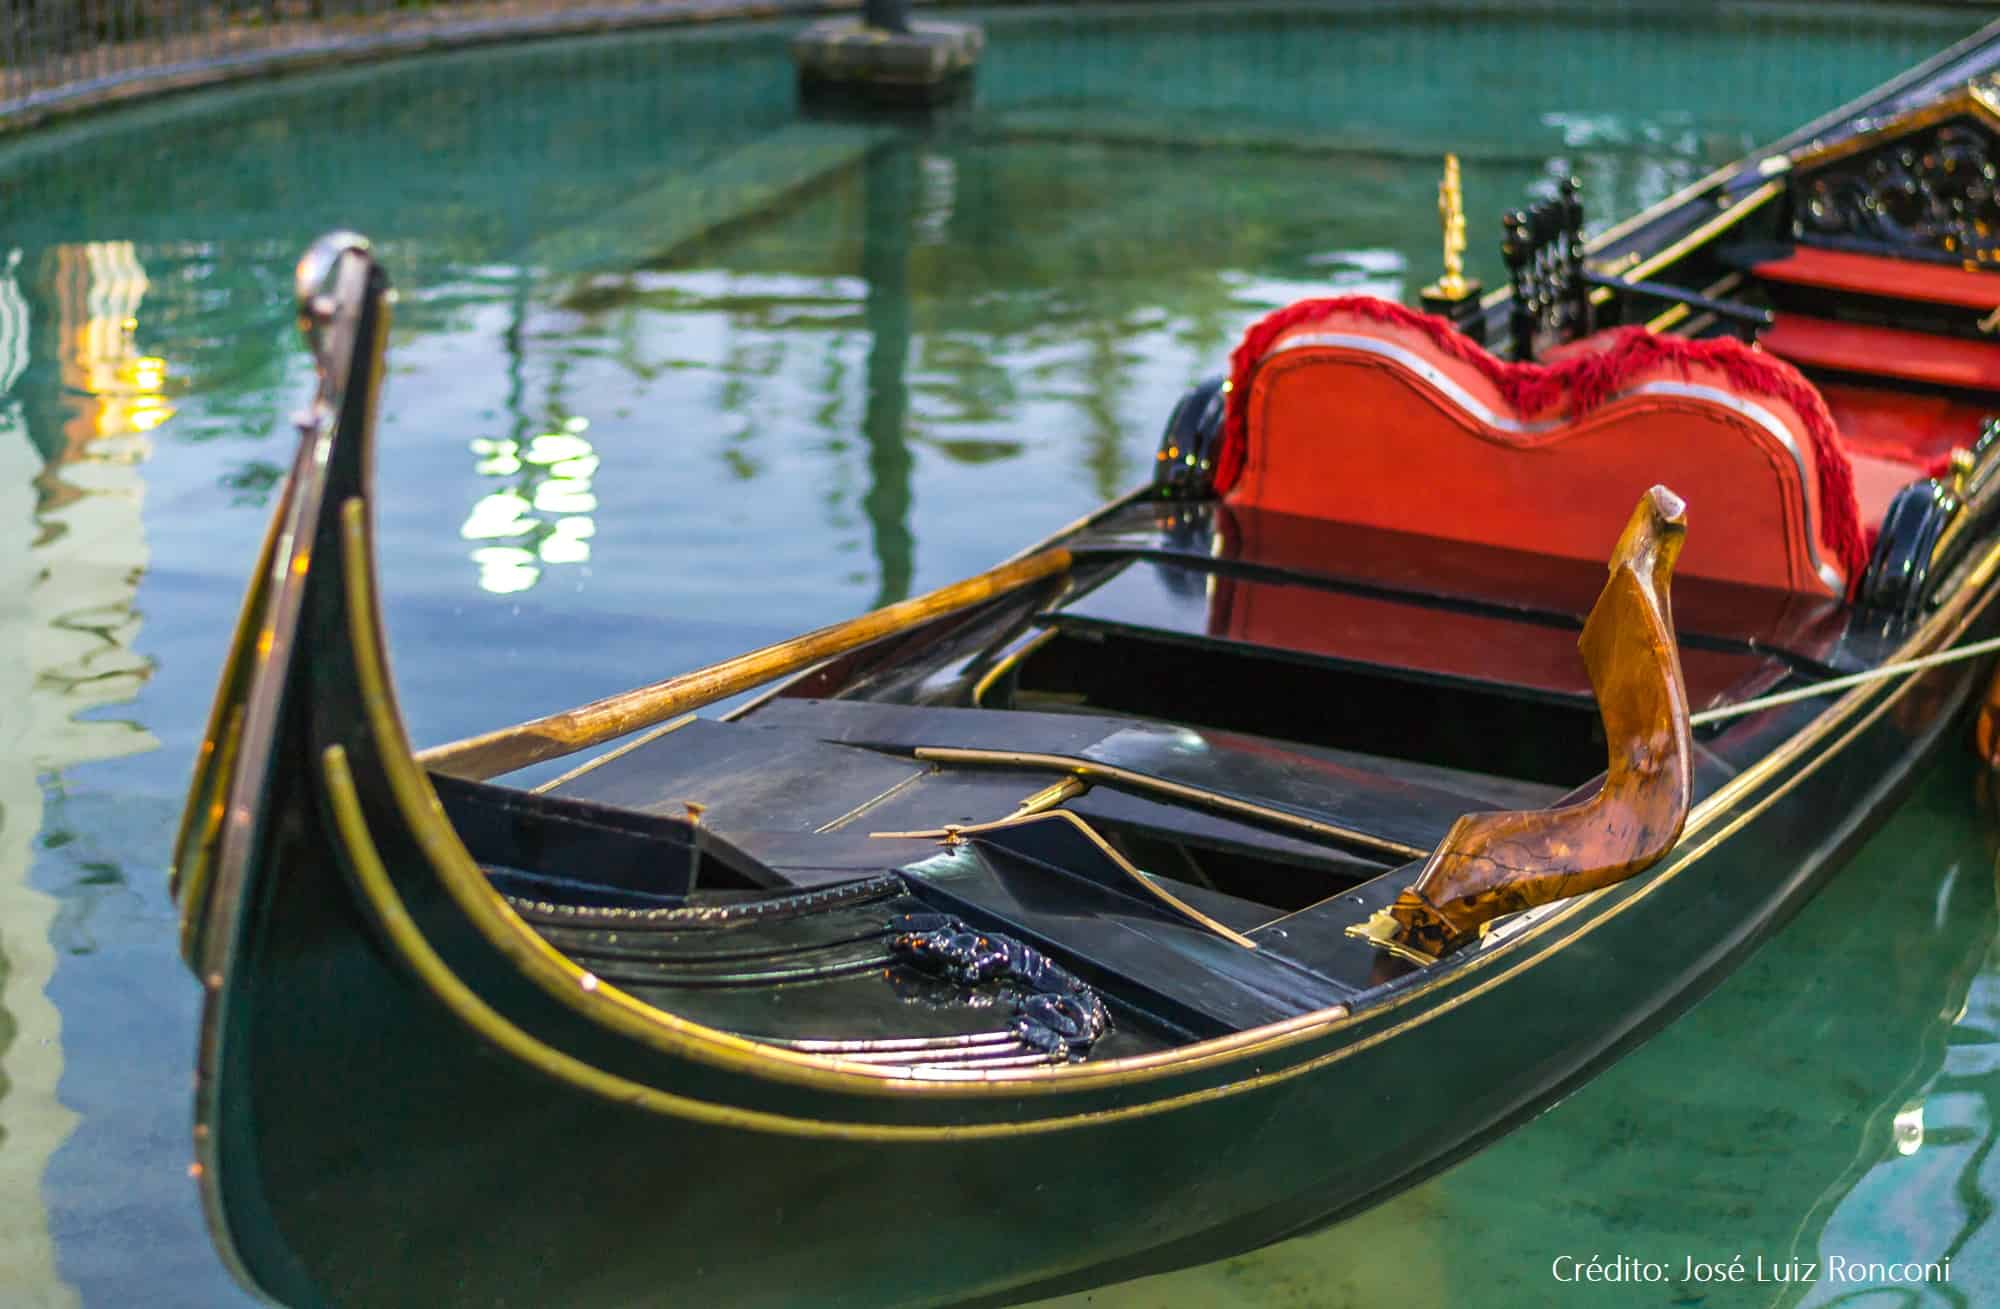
1168, 600
1314, 783
1456, 574
742, 775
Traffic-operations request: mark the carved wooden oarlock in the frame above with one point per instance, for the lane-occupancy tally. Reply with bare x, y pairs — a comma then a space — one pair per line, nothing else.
1490, 864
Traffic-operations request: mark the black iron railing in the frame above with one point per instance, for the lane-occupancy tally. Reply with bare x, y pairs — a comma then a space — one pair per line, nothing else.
62, 53
57, 55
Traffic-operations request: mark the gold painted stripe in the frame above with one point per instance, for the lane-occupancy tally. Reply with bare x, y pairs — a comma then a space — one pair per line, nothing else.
1090, 769
1981, 490
1675, 314
1007, 663
393, 916
214, 769
1700, 236
1963, 100
588, 765
555, 973
1652, 213
872, 801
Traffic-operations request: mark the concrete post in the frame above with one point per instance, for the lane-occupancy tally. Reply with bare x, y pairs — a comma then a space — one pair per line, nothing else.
881, 58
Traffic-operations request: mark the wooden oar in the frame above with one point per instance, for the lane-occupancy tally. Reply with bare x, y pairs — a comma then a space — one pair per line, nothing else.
542, 739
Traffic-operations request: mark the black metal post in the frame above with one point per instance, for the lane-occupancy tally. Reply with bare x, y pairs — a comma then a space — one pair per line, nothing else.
888, 15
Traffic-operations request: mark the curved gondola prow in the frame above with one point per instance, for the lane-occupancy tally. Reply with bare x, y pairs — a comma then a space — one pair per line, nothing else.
1493, 864
246, 776
343, 299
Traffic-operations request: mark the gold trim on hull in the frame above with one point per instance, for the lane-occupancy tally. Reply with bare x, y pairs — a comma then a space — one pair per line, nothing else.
664, 1031
683, 1037
1700, 236
215, 763
393, 916
1008, 662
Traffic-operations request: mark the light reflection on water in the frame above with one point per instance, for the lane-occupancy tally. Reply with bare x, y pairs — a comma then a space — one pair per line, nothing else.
72, 503
676, 374
542, 513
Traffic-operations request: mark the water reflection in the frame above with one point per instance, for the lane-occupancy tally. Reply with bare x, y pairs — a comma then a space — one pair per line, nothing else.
542, 515
1926, 1194
892, 183
73, 502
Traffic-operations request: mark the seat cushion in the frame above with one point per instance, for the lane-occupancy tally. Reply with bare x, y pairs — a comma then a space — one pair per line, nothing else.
1853, 273
1876, 483
1894, 352
1360, 410
1916, 428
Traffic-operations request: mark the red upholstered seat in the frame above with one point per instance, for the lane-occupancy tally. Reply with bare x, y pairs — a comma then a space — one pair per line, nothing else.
1876, 482
1884, 352
1360, 410
1883, 275
1912, 427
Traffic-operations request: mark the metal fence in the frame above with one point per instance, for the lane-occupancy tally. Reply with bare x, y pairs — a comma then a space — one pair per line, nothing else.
58, 55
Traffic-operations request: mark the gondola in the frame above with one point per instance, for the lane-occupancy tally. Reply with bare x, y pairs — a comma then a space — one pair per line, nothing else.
1243, 854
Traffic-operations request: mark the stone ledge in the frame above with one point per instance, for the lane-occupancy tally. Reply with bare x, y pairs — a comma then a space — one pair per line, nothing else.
261, 53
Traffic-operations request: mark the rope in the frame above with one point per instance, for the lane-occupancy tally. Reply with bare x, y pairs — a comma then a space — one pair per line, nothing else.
1951, 656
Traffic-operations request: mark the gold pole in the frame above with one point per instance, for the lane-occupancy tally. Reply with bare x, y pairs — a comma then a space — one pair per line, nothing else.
1454, 295
542, 739
1453, 285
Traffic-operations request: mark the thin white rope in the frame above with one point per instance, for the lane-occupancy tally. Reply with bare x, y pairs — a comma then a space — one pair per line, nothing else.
1951, 656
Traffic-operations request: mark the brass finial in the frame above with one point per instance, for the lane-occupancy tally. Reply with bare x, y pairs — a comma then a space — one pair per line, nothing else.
1963, 462
1451, 217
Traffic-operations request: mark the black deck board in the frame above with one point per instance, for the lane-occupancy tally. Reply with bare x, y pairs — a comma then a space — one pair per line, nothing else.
1315, 938
743, 776
1379, 797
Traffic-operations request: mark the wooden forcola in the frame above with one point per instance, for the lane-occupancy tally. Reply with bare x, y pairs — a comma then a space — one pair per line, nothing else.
1492, 864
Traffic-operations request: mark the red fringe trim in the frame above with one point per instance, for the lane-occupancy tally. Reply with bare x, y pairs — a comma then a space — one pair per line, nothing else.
1575, 386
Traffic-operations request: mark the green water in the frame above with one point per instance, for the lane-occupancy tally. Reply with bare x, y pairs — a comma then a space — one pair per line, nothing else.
676, 374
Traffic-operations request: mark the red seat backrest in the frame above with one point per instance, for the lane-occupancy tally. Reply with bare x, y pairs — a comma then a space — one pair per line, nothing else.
1360, 410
